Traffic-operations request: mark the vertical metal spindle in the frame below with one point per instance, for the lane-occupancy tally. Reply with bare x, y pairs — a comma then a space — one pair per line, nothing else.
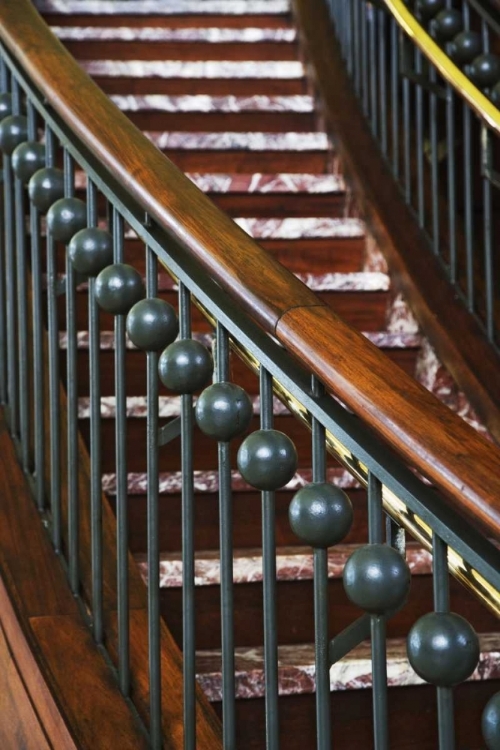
269, 578
3, 296
446, 728
22, 301
226, 560
406, 124
378, 625
121, 475
153, 545
382, 65
419, 106
356, 12
72, 396
371, 17
54, 384
365, 91
188, 558
37, 325
452, 188
468, 207
395, 83
95, 436
488, 233
433, 127
321, 637
11, 304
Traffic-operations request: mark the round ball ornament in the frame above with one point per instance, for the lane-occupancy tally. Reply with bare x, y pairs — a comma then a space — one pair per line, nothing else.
46, 187
484, 71
185, 366
377, 578
5, 105
267, 459
91, 250
427, 9
320, 514
65, 218
13, 132
152, 324
118, 288
490, 723
28, 158
224, 411
443, 648
446, 25
465, 47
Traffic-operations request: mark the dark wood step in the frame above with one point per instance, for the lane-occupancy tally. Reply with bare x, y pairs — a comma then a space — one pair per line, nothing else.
207, 86
247, 527
220, 122
181, 50
413, 722
295, 611
402, 349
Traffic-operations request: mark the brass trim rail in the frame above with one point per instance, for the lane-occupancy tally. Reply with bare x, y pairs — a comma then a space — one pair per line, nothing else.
464, 87
429, 437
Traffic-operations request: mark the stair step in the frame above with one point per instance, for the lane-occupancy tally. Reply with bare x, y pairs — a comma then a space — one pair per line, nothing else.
382, 339
296, 670
207, 482
218, 114
163, 7
301, 228
292, 564
245, 152
233, 69
214, 35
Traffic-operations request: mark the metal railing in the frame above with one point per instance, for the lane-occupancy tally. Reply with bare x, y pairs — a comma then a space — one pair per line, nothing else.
41, 155
427, 76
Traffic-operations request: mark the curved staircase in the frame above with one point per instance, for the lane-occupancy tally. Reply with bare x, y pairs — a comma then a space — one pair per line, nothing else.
221, 88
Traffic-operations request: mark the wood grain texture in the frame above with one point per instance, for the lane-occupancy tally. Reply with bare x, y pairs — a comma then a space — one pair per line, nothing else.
415, 270
413, 422
424, 432
224, 251
19, 724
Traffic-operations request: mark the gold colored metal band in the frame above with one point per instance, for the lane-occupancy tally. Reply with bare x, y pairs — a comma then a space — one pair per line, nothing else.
464, 87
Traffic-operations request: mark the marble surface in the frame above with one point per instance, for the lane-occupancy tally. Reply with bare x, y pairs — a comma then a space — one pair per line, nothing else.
296, 672
292, 564
268, 183
213, 35
301, 228
235, 141
207, 482
206, 104
163, 7
193, 69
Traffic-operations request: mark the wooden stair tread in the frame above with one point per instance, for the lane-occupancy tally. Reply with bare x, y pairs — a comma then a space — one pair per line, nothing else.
296, 668
292, 564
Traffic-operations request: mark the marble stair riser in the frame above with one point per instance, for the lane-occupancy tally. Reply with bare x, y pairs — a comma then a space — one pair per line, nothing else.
297, 672
292, 564
106, 8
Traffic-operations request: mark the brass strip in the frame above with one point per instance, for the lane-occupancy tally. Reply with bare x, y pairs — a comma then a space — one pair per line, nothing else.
464, 87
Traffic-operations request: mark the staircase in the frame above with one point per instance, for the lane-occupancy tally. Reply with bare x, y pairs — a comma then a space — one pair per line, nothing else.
224, 94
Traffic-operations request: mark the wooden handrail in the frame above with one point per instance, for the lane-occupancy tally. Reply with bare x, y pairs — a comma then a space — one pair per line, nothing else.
425, 433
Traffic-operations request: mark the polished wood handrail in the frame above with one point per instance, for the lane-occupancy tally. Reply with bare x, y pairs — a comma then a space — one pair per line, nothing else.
425, 433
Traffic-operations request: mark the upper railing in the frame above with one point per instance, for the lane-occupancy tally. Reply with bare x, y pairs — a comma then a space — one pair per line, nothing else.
429, 85
383, 427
